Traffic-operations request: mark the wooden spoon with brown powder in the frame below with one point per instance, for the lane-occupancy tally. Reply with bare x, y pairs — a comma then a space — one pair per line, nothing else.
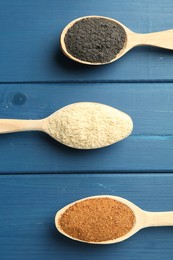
106, 219
82, 125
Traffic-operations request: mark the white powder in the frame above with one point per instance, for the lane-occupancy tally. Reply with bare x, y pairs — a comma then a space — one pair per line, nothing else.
88, 125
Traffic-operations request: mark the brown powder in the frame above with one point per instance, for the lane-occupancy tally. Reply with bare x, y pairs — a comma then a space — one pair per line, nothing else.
97, 220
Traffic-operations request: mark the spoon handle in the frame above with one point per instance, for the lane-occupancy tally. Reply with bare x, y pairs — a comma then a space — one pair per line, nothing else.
17, 125
159, 219
163, 39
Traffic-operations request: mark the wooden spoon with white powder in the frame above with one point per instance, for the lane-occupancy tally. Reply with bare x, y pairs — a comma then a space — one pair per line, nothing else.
82, 125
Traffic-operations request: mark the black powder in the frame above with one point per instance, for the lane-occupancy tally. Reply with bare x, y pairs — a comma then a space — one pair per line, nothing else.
95, 40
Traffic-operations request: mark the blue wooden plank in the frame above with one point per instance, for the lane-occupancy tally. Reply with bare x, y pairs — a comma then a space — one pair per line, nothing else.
149, 148
29, 203
29, 45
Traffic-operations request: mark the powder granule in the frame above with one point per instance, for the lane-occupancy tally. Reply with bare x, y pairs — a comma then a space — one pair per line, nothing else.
88, 125
97, 220
95, 40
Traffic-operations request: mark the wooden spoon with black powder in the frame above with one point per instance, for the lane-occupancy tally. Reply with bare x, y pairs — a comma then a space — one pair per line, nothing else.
97, 40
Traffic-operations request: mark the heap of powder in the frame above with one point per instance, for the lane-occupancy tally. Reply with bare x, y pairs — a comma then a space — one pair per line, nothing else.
89, 125
95, 40
97, 220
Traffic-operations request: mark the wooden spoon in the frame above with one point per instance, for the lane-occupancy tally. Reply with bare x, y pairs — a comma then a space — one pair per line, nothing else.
82, 125
143, 219
162, 39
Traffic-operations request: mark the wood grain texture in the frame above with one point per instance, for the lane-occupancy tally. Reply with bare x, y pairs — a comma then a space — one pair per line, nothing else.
29, 41
35, 80
29, 203
149, 148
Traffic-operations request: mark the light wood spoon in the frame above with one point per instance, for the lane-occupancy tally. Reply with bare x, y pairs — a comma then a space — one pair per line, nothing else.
162, 39
82, 125
143, 219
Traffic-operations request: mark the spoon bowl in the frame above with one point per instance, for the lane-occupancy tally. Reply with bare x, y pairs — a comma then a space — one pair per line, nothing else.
82, 125
143, 219
162, 39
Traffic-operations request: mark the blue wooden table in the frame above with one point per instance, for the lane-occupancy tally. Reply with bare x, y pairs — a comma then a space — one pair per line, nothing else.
38, 176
